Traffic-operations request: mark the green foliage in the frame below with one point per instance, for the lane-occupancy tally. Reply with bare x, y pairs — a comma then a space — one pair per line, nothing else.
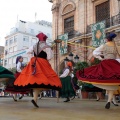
95, 62
80, 66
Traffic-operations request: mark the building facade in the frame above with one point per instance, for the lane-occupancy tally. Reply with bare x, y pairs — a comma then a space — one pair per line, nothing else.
76, 18
1, 55
21, 37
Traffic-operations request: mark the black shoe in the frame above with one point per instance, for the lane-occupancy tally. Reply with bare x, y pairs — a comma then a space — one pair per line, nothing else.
67, 100
107, 106
73, 98
118, 101
34, 103
114, 104
14, 99
98, 99
21, 97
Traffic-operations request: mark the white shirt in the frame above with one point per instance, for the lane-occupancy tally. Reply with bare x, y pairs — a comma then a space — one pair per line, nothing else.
48, 51
65, 73
19, 67
97, 52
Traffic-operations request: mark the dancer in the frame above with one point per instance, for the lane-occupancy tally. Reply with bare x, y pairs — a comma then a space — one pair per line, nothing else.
106, 74
5, 74
39, 74
10, 85
67, 90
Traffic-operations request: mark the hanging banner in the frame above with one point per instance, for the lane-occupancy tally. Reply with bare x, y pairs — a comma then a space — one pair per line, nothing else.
98, 34
63, 45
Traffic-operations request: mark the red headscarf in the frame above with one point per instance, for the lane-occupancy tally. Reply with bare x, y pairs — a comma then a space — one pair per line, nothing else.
41, 36
69, 64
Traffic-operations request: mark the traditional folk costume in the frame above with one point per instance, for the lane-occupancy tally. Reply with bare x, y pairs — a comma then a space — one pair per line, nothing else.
5, 74
106, 74
67, 90
10, 85
38, 74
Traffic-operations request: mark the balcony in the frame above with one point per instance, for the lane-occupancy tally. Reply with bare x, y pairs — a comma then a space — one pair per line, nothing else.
115, 20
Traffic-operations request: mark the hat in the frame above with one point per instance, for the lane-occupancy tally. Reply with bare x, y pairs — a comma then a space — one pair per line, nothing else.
69, 64
111, 36
41, 37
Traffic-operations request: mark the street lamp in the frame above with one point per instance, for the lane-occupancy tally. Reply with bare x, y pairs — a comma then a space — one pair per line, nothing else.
76, 59
66, 60
56, 60
71, 56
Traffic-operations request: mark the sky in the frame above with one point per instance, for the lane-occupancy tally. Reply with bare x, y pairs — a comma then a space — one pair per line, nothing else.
13, 10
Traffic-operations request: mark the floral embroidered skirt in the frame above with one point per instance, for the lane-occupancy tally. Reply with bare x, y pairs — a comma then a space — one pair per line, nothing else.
105, 73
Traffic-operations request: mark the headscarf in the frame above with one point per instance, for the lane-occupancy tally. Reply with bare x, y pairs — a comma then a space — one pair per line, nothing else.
18, 58
111, 36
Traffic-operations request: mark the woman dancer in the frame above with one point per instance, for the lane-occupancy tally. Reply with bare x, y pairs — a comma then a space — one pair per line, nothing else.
67, 90
38, 74
10, 86
106, 74
5, 74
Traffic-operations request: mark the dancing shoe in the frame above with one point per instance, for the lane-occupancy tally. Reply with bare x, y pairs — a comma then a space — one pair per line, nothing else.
98, 99
14, 99
67, 100
20, 97
107, 106
114, 104
34, 103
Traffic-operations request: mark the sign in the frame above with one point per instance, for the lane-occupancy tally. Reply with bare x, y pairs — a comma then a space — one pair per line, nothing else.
98, 34
63, 45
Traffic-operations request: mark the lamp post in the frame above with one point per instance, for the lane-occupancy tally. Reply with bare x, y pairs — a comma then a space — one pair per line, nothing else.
76, 59
66, 60
71, 56
56, 57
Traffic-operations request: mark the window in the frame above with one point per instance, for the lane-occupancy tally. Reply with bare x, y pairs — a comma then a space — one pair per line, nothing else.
25, 38
33, 41
11, 49
15, 48
6, 52
15, 38
32, 31
5, 63
10, 61
102, 11
11, 41
69, 24
14, 60
6, 43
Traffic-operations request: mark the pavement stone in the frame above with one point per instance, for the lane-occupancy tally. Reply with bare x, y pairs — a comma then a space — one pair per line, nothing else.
49, 109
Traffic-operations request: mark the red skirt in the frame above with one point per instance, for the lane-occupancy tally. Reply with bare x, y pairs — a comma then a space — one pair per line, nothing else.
107, 73
11, 88
44, 77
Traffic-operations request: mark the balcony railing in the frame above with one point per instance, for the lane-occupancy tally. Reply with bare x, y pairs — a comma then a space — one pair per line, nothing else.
115, 20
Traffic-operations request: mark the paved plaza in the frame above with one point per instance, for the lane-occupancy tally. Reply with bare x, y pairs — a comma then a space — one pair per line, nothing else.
49, 109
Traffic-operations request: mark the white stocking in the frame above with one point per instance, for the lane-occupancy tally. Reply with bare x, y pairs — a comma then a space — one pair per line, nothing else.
114, 100
36, 93
110, 95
